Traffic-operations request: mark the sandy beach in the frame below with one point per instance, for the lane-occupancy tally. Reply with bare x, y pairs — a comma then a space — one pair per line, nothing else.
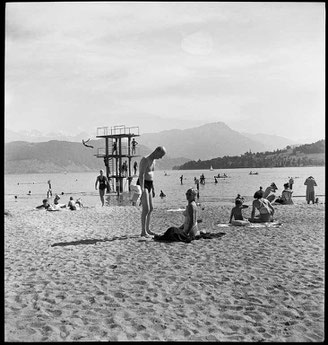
87, 276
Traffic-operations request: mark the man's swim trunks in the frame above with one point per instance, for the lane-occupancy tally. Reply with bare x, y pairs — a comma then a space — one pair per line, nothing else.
147, 184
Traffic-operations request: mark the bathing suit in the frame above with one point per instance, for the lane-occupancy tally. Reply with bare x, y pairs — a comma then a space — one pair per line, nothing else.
147, 184
102, 183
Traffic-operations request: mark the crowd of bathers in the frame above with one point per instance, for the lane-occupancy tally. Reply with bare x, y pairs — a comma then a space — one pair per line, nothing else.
57, 206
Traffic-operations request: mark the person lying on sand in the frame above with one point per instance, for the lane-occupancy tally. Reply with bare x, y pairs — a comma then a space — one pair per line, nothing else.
265, 208
45, 204
48, 207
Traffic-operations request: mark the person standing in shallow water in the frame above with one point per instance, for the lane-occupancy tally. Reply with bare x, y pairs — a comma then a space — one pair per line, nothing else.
145, 180
103, 183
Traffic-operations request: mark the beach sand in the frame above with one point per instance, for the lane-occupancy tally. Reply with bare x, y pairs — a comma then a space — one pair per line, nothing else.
87, 276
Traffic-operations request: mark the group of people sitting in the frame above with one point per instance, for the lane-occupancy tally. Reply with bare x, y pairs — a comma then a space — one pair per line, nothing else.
263, 203
56, 206
286, 195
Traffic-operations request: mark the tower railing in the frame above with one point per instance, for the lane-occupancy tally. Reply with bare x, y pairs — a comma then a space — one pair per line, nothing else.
117, 130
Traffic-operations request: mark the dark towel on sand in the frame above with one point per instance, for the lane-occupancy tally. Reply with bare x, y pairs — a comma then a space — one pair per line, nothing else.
174, 234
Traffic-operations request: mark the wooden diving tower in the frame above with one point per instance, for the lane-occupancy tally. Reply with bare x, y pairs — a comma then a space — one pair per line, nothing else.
119, 151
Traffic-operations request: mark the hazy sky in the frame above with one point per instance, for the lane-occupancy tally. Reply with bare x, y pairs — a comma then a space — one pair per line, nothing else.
258, 67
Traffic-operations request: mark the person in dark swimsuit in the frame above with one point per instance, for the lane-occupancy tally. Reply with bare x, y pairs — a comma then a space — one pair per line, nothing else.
103, 183
146, 175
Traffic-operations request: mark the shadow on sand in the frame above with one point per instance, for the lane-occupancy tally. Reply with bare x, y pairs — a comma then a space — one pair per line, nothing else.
94, 241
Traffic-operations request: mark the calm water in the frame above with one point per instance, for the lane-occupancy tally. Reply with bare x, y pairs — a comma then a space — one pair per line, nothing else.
239, 182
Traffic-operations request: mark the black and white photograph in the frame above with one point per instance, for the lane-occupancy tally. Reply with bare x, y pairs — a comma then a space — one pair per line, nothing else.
164, 171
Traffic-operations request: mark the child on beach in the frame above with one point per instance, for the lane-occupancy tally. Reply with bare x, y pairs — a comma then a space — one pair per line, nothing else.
236, 212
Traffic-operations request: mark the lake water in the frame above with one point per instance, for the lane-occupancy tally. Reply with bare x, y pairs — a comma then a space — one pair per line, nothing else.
239, 182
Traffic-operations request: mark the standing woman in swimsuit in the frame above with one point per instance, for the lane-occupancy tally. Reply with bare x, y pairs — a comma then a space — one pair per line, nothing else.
103, 182
145, 180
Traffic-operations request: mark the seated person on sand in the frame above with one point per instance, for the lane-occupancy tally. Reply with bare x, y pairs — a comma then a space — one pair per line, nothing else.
269, 192
236, 213
286, 196
189, 229
265, 208
162, 194
56, 203
74, 205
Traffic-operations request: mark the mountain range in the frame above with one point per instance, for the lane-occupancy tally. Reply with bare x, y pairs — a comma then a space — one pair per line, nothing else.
212, 140
204, 142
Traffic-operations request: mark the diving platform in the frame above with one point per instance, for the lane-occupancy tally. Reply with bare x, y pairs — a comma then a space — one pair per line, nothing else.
120, 149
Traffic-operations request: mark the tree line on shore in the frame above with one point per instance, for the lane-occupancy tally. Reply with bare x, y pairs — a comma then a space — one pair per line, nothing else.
299, 156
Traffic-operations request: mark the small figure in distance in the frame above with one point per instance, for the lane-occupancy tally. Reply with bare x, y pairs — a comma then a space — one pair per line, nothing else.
310, 194
265, 208
29, 193
85, 143
290, 183
103, 185
49, 192
181, 179
236, 212
196, 183
135, 167
162, 194
134, 144
114, 148
124, 168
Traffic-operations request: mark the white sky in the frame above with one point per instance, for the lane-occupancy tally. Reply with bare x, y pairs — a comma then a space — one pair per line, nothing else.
258, 67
